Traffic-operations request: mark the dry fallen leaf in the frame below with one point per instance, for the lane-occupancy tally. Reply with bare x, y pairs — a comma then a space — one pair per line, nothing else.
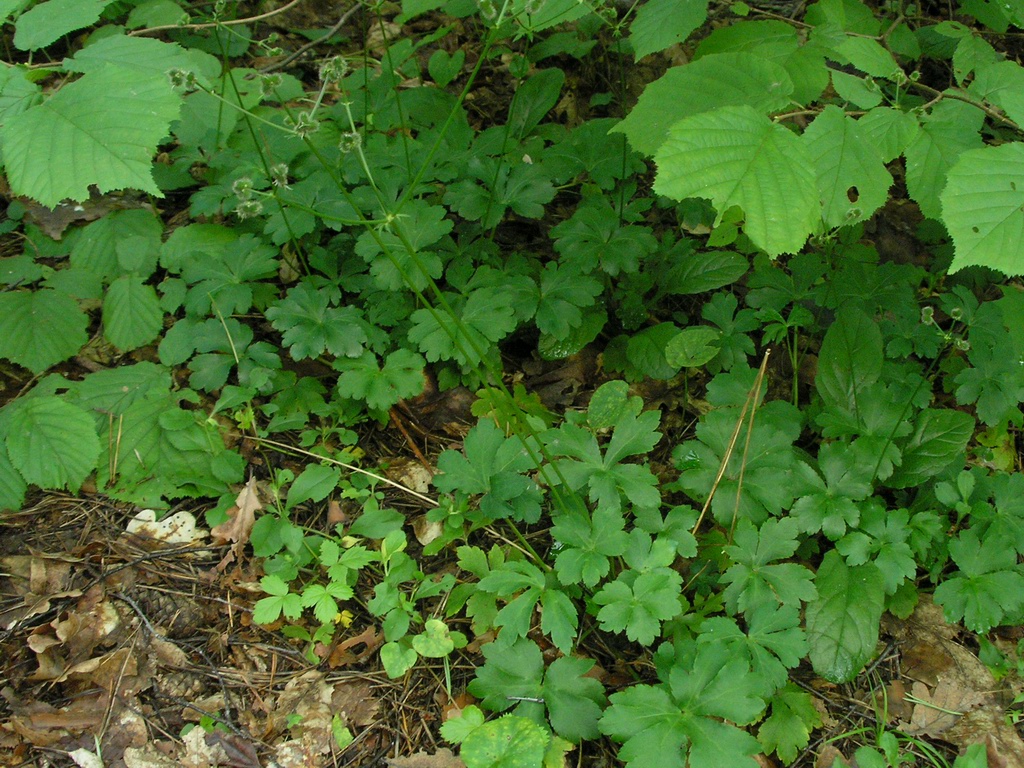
238, 526
443, 758
179, 528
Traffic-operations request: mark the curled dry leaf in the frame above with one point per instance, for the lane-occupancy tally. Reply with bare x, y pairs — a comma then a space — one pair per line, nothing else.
238, 527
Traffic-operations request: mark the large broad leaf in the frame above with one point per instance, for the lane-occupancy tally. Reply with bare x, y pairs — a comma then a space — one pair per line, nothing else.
131, 313
40, 328
52, 443
888, 130
982, 208
719, 80
1002, 84
143, 53
951, 129
939, 437
49, 21
101, 130
735, 156
842, 624
850, 359
661, 23
852, 180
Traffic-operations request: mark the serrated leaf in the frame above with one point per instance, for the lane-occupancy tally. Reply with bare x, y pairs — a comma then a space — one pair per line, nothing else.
842, 624
889, 130
131, 313
41, 328
988, 585
788, 728
102, 130
310, 325
52, 443
693, 347
1002, 84
12, 484
49, 21
719, 80
850, 359
661, 23
508, 742
852, 179
638, 605
590, 541
563, 292
574, 701
951, 129
940, 435
735, 156
981, 206
753, 580
362, 379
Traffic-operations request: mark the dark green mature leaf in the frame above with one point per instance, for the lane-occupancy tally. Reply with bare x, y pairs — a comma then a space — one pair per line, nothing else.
49, 21
310, 326
788, 728
594, 238
479, 321
753, 580
563, 292
223, 281
131, 313
882, 539
850, 359
12, 484
363, 379
52, 443
939, 439
833, 506
40, 328
574, 701
842, 624
393, 265
589, 543
494, 466
637, 603
533, 100
672, 727
988, 585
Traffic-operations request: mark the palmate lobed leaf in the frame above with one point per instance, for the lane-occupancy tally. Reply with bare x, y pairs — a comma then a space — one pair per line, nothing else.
100, 130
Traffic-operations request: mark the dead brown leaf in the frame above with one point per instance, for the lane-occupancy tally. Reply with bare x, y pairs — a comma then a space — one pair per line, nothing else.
238, 527
988, 726
342, 655
443, 758
935, 712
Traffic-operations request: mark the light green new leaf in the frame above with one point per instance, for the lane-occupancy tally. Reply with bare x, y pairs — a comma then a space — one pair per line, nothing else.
982, 207
951, 129
852, 179
735, 156
100, 130
1002, 84
661, 23
49, 21
143, 53
508, 742
693, 346
870, 57
40, 328
131, 313
888, 130
52, 443
718, 80
842, 624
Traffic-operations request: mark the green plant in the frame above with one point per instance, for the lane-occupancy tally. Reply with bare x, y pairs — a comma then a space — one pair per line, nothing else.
359, 236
